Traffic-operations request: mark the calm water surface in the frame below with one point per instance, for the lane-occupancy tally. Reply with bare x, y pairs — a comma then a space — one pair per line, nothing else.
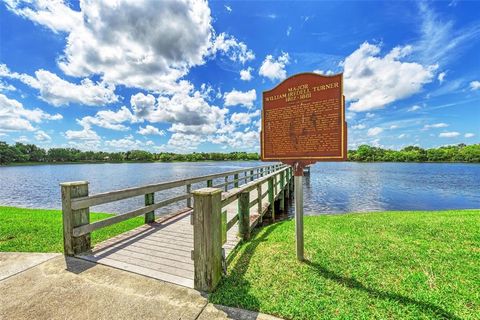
331, 187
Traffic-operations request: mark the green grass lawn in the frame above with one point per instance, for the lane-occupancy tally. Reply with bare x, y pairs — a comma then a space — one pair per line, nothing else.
389, 265
38, 230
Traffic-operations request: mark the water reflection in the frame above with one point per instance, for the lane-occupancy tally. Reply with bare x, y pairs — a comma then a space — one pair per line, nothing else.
330, 188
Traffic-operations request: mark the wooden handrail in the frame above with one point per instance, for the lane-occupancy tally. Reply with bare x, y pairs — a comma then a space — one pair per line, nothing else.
76, 200
112, 196
234, 194
231, 196
210, 226
82, 230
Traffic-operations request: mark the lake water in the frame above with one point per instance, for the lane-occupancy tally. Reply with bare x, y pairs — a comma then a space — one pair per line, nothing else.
330, 188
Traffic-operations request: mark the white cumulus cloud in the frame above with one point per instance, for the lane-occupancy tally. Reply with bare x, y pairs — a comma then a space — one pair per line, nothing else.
110, 119
54, 14
274, 69
40, 135
14, 117
126, 143
235, 50
84, 135
244, 118
441, 77
246, 74
182, 142
451, 134
475, 85
57, 91
150, 130
144, 44
235, 97
373, 81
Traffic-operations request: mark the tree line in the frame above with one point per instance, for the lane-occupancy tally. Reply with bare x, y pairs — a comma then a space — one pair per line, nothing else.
21, 153
453, 153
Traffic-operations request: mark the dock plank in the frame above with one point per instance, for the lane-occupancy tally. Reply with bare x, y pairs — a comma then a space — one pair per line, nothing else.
162, 250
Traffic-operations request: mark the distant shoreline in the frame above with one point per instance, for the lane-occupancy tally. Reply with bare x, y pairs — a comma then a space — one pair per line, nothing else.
21, 164
30, 154
26, 164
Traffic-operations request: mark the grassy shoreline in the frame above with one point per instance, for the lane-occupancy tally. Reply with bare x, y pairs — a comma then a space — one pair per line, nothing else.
386, 265
40, 230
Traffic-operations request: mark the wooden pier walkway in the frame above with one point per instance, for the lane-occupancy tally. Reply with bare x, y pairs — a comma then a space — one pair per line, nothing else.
163, 249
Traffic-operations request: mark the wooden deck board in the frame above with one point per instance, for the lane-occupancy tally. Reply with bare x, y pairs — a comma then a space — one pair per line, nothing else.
163, 250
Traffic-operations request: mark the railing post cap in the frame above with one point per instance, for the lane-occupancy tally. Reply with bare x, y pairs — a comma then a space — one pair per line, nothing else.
73, 183
206, 191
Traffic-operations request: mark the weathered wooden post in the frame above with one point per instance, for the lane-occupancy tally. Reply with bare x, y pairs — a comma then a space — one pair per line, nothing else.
245, 175
74, 218
287, 184
150, 199
235, 179
259, 204
207, 238
275, 184
282, 191
226, 183
244, 215
271, 197
292, 182
251, 175
188, 189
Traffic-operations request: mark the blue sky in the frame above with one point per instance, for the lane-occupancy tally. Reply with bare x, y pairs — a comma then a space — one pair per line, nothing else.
188, 75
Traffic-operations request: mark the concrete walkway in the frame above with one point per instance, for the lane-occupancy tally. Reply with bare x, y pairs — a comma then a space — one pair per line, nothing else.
39, 286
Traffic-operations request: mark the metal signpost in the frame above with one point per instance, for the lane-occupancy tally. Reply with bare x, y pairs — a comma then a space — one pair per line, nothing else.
303, 121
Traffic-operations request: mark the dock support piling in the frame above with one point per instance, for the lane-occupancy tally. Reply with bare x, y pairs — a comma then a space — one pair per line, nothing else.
149, 200
188, 190
259, 204
235, 179
244, 215
282, 191
207, 244
287, 184
271, 197
74, 218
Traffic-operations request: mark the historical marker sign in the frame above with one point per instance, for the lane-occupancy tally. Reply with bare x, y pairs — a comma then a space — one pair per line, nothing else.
303, 120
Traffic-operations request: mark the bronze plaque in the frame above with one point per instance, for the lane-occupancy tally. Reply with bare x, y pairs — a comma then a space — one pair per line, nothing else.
303, 119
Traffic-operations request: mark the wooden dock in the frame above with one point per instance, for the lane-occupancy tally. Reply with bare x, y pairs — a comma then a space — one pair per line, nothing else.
163, 249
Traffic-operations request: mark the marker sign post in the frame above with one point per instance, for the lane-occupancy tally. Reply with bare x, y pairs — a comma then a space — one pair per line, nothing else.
303, 121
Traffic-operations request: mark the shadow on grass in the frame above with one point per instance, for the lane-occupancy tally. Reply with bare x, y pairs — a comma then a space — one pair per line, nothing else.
352, 283
239, 296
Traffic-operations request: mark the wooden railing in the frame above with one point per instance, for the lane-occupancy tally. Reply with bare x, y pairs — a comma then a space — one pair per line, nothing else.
208, 223
76, 202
